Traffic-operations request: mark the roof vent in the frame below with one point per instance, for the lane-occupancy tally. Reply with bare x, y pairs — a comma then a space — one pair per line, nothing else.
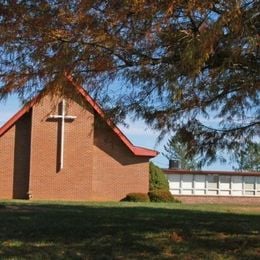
174, 164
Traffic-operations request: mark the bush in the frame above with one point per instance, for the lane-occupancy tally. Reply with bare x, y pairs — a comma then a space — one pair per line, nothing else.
136, 197
161, 196
157, 179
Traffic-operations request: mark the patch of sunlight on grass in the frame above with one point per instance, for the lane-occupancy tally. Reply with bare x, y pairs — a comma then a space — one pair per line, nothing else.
12, 243
42, 244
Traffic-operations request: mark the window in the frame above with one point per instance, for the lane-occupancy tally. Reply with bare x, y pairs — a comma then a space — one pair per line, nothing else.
258, 186
222, 185
249, 185
199, 184
187, 184
174, 183
212, 184
237, 185
225, 185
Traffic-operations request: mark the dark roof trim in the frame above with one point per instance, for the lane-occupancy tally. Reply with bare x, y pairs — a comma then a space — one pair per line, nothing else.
182, 171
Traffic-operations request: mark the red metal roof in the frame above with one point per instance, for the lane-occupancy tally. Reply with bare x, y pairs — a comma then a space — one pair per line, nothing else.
183, 171
136, 150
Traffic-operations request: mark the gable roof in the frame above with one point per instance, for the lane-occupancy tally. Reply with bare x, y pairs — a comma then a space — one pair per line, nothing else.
136, 150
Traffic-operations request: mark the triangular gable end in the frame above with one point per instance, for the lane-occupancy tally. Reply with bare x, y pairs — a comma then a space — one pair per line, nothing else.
136, 150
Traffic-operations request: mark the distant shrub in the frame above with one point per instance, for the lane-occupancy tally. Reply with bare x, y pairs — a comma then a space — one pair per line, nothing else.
161, 196
157, 179
136, 197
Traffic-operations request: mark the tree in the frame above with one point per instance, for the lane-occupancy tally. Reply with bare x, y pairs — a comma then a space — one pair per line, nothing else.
179, 61
249, 158
176, 150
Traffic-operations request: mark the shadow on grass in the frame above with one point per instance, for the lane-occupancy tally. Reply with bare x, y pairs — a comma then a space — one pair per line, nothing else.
122, 232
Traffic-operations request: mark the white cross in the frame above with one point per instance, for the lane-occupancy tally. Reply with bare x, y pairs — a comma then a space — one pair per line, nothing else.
63, 117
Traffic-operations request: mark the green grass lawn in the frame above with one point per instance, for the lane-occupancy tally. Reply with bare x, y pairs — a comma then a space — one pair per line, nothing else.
43, 230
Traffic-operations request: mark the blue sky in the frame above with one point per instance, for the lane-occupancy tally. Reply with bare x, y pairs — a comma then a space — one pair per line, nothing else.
139, 133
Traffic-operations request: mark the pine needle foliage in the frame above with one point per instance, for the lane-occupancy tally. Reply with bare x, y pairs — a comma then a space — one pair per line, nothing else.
249, 158
178, 62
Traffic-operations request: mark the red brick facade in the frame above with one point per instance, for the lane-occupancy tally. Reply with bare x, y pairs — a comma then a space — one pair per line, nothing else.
218, 200
7, 144
97, 164
116, 171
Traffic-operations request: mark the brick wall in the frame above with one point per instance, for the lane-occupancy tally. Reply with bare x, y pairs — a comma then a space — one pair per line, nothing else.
218, 199
6, 164
116, 170
22, 149
73, 182
97, 164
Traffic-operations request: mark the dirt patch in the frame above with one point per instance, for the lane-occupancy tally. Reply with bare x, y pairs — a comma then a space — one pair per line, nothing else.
176, 237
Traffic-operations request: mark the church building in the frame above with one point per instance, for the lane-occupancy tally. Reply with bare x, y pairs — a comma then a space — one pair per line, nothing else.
66, 148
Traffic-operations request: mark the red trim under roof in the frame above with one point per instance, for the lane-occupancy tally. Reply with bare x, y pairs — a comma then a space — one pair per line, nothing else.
136, 150
183, 171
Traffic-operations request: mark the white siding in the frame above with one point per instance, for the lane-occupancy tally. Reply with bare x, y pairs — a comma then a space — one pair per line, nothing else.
221, 185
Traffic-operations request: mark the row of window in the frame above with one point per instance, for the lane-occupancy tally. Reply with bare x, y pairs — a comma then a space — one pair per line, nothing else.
190, 184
